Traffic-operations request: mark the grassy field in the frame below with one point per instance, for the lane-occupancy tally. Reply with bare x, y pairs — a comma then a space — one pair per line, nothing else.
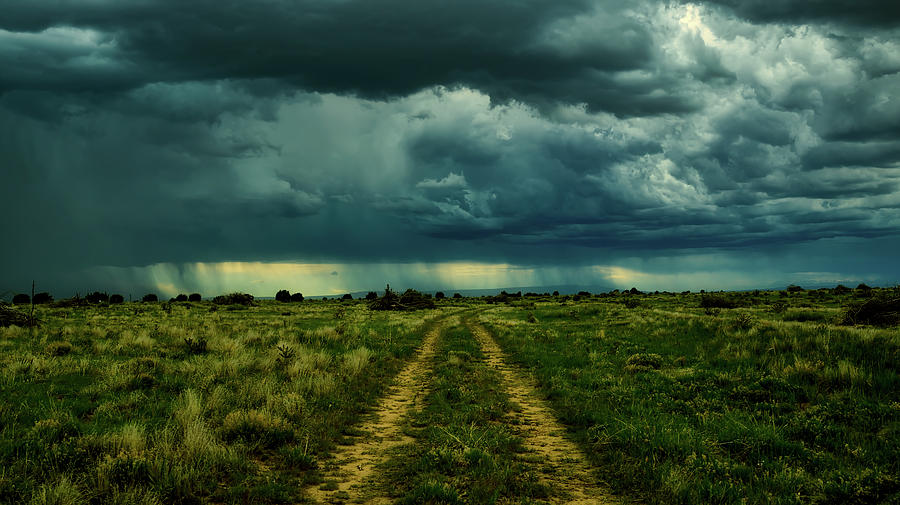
674, 403
181, 403
672, 398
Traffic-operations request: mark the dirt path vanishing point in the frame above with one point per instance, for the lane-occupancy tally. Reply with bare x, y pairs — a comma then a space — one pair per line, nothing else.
560, 464
353, 465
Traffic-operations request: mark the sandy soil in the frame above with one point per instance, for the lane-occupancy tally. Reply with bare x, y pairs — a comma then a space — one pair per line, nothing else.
560, 464
353, 465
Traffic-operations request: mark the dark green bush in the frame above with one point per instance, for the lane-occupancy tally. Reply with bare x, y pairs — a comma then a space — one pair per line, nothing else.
283, 296
234, 299
883, 310
97, 297
58, 348
21, 299
717, 301
43, 297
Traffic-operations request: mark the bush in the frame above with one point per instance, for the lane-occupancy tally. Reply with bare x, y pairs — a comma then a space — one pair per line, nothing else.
195, 297
58, 348
234, 299
347, 296
21, 299
457, 295
643, 362
793, 288
43, 297
371, 295
283, 296
883, 310
717, 301
409, 300
439, 295
256, 426
181, 297
116, 299
150, 297
632, 303
840, 289
743, 321
297, 297
193, 346
97, 297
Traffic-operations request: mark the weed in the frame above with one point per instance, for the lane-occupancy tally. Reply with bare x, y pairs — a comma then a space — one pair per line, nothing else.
58, 348
195, 346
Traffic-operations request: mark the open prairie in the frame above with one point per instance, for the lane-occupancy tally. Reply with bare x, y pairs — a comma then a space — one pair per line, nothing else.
755, 397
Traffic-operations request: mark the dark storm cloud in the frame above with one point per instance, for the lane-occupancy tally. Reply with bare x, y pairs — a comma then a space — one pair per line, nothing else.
578, 131
375, 49
860, 12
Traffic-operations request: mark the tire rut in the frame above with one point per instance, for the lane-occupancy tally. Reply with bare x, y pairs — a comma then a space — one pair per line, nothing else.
561, 465
353, 466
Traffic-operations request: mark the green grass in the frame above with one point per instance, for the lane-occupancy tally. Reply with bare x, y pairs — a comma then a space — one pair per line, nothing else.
181, 403
677, 406
766, 402
465, 451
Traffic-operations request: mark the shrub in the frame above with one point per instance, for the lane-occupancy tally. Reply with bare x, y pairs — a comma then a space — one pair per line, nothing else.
840, 289
97, 297
643, 362
21, 299
141, 380
371, 295
256, 426
883, 310
297, 297
347, 296
632, 303
457, 295
234, 299
793, 288
181, 297
58, 348
743, 321
717, 301
195, 346
409, 300
43, 297
194, 297
439, 295
10, 316
860, 287
116, 299
150, 297
283, 296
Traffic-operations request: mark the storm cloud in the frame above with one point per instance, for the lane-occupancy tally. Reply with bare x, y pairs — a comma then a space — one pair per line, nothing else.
547, 134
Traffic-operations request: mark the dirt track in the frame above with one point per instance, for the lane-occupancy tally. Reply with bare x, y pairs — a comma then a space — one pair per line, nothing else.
353, 465
559, 463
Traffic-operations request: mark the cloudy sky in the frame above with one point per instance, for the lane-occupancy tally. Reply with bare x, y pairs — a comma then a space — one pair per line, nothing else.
327, 146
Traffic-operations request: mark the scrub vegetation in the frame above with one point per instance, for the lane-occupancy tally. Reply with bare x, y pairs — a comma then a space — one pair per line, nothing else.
757, 397
766, 400
181, 403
